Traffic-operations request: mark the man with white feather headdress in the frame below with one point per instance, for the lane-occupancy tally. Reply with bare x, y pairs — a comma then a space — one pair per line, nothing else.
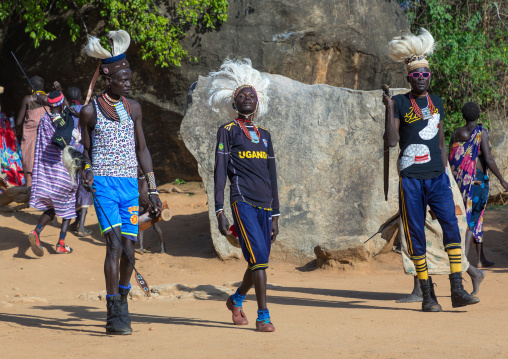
112, 132
415, 121
244, 154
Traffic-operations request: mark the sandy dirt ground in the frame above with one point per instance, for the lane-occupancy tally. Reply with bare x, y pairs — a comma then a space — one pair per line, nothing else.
50, 307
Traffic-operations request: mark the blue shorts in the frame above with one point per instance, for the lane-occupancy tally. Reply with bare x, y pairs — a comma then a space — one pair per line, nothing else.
118, 197
414, 197
254, 227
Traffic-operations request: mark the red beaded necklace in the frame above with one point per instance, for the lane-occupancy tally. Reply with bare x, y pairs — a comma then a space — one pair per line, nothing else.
245, 130
417, 110
108, 106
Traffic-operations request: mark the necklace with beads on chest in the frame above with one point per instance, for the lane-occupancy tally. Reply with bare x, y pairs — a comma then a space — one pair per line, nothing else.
425, 113
257, 136
116, 110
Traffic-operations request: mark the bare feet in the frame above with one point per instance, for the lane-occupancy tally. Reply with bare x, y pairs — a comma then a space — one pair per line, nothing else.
415, 296
482, 261
485, 263
83, 232
410, 299
477, 277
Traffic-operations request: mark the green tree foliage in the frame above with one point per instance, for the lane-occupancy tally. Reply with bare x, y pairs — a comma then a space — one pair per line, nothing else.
158, 26
471, 60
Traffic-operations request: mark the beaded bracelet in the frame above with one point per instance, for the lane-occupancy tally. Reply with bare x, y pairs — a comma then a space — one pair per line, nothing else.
87, 168
151, 181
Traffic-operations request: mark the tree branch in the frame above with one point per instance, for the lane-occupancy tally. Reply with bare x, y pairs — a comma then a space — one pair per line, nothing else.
80, 17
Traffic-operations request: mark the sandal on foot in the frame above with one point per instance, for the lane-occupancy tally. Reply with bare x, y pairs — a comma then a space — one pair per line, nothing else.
239, 317
264, 326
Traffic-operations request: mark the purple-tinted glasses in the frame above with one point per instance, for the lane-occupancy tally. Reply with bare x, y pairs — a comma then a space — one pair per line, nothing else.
417, 75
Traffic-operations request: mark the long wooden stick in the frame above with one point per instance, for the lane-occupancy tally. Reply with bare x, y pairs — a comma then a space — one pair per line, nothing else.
386, 154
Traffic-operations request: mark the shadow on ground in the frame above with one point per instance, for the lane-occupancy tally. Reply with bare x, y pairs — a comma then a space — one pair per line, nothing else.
77, 314
13, 238
184, 236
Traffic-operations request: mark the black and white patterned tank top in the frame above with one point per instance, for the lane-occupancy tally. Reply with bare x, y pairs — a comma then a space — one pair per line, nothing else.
113, 145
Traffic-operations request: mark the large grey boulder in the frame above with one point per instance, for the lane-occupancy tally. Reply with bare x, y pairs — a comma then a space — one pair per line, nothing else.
329, 152
498, 136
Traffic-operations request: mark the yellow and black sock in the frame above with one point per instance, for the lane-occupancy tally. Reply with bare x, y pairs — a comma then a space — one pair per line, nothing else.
454, 255
421, 268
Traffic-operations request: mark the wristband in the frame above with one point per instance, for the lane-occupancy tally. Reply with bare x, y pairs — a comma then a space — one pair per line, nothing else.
87, 166
218, 213
151, 181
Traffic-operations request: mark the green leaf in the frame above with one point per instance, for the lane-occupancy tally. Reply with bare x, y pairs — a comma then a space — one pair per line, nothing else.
158, 32
471, 59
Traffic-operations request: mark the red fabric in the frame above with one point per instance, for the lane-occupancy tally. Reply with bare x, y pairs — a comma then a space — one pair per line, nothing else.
233, 231
10, 153
55, 100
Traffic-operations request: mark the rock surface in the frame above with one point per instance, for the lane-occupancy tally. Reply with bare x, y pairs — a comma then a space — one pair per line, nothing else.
28, 300
172, 291
343, 250
498, 137
336, 42
329, 153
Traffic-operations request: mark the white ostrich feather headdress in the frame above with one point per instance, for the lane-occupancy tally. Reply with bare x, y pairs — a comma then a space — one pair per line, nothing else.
412, 49
111, 62
120, 40
232, 76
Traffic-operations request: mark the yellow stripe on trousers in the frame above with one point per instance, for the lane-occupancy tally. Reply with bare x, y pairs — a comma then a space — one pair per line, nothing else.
404, 219
258, 266
237, 214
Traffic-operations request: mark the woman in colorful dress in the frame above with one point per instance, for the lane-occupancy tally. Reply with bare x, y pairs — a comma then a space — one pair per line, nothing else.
10, 153
470, 158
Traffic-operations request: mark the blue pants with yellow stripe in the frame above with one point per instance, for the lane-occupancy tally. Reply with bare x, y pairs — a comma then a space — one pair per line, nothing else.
414, 196
254, 227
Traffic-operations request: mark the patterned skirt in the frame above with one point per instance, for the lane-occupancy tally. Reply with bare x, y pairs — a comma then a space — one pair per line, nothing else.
51, 183
479, 198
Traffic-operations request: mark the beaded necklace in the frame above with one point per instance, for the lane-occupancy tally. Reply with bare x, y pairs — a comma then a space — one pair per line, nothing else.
417, 110
109, 99
245, 130
108, 106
